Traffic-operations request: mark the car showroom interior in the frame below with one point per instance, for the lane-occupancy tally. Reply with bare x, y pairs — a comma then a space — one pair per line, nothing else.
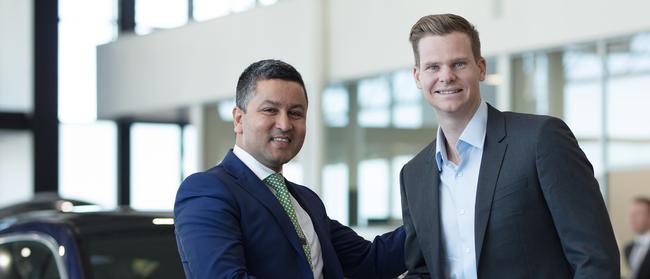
107, 106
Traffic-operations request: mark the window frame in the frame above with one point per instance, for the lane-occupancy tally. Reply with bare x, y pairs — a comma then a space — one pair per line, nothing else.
42, 239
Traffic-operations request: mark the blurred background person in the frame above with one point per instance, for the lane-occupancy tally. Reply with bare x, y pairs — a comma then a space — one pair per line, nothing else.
636, 251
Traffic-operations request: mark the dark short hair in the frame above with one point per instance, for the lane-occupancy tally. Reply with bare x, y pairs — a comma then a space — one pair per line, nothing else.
643, 200
264, 70
440, 25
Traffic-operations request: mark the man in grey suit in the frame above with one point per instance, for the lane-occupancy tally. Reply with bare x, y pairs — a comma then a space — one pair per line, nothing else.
498, 194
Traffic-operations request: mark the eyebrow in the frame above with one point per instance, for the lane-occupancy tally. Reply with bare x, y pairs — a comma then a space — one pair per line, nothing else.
276, 104
451, 61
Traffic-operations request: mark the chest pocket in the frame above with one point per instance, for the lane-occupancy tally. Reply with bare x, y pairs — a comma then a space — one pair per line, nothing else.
510, 198
508, 189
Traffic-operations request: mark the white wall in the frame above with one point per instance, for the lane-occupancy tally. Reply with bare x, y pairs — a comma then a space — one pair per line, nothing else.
16, 63
331, 39
371, 36
201, 62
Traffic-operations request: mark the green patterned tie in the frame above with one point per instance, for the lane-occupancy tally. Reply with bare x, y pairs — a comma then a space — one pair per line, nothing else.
276, 181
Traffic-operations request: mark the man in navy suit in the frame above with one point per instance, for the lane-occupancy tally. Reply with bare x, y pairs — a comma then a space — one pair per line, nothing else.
497, 194
242, 219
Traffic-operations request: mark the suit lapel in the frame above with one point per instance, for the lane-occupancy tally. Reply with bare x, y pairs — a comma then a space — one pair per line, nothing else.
252, 184
427, 185
431, 187
493, 153
311, 207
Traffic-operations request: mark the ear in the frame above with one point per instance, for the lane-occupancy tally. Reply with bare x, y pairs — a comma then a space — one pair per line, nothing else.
482, 66
416, 76
237, 115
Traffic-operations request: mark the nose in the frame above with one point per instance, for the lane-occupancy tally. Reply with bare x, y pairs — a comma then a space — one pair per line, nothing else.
446, 75
283, 122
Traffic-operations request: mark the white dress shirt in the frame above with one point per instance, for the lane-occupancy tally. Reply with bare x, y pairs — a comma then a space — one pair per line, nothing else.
458, 184
262, 171
638, 253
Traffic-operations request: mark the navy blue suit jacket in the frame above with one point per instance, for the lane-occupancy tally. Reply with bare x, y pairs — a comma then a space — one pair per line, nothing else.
230, 225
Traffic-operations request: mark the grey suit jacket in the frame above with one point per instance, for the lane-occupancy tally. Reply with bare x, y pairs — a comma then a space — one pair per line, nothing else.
539, 212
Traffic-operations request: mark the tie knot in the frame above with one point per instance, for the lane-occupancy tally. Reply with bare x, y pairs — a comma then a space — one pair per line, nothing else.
276, 181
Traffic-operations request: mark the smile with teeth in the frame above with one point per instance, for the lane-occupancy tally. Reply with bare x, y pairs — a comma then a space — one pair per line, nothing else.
447, 91
280, 139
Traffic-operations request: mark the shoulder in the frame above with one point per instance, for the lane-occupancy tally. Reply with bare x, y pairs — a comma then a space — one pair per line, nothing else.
210, 182
425, 155
529, 121
524, 125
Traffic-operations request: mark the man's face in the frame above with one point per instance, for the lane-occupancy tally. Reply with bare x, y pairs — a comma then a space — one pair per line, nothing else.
273, 127
640, 217
449, 74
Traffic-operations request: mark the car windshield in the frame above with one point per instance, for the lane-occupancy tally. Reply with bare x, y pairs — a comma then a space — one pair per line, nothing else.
143, 254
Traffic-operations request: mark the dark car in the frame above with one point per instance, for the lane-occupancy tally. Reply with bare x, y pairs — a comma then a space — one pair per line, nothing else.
57, 238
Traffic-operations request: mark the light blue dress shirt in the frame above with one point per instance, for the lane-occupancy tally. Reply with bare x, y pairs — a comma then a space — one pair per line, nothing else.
458, 196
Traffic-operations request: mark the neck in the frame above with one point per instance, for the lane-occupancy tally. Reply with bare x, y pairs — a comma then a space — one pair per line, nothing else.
452, 126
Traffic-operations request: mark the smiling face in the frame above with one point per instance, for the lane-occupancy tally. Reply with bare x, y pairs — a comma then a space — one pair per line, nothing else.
272, 129
448, 75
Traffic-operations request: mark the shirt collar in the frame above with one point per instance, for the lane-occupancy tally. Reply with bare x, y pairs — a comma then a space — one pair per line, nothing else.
473, 135
259, 169
643, 239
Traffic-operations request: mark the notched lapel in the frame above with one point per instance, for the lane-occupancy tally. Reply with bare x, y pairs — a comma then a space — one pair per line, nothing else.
246, 179
494, 150
329, 256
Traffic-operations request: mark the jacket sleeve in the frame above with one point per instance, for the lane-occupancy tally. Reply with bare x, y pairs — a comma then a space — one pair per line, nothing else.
360, 258
207, 229
413, 258
576, 204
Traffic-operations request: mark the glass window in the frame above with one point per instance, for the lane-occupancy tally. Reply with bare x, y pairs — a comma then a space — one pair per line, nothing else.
190, 151
293, 172
629, 56
209, 9
27, 259
396, 198
155, 165
225, 109
82, 26
16, 167
87, 149
159, 14
407, 107
267, 2
374, 101
145, 253
623, 154
492, 80
627, 107
241, 5
87, 161
531, 83
16, 51
583, 108
594, 152
336, 106
335, 191
582, 62
373, 191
